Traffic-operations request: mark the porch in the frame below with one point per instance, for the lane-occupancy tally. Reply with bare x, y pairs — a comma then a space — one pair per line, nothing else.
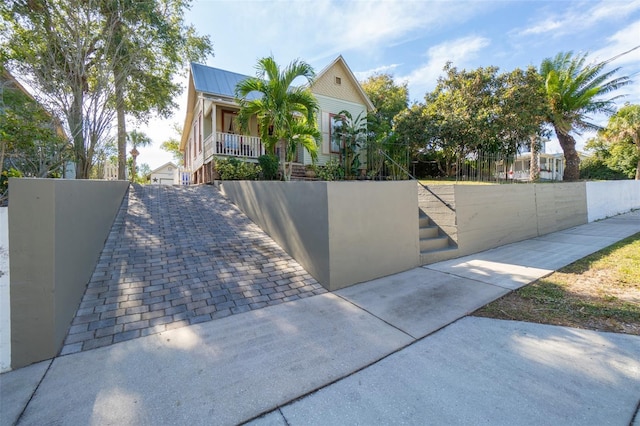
232, 145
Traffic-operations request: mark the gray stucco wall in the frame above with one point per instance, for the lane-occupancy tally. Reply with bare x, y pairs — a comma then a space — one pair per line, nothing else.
373, 230
342, 233
431, 202
492, 215
57, 229
294, 214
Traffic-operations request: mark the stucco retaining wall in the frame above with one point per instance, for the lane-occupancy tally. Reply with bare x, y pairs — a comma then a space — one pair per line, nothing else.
489, 216
342, 233
605, 199
432, 203
57, 229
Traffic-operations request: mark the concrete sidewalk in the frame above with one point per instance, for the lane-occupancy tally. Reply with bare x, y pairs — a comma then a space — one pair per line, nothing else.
360, 356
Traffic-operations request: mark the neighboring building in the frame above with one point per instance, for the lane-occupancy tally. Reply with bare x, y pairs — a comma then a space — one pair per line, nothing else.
210, 129
163, 175
551, 167
110, 171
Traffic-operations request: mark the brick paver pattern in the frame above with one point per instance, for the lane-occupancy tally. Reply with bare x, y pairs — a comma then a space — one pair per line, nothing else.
177, 256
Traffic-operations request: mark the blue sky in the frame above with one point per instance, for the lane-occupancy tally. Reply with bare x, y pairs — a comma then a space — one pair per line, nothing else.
411, 40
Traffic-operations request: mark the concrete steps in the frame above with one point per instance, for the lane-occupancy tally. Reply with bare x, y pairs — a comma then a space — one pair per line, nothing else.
432, 239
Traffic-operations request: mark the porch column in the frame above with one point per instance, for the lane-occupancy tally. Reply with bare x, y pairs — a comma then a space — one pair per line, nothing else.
214, 137
213, 119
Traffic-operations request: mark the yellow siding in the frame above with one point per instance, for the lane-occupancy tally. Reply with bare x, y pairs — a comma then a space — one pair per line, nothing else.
326, 85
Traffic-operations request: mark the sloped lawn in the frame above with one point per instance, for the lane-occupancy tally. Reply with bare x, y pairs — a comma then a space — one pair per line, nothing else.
599, 292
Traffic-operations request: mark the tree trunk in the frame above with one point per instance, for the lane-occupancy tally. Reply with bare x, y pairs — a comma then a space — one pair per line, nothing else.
122, 130
75, 119
283, 158
534, 169
572, 166
4, 145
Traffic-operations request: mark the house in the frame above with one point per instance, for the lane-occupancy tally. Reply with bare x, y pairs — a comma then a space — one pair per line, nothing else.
110, 171
163, 175
551, 166
210, 129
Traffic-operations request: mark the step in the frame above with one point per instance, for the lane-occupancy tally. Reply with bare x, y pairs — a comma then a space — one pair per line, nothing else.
424, 221
429, 232
432, 244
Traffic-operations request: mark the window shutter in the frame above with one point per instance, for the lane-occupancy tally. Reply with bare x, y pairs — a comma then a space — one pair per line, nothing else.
325, 126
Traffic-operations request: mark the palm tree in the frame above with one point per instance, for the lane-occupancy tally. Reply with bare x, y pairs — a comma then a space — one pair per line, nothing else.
625, 125
574, 90
281, 108
136, 139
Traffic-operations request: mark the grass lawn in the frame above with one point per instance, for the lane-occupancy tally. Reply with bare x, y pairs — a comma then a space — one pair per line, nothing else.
454, 182
599, 292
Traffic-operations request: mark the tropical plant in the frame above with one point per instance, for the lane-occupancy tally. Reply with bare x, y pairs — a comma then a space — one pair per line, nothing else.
390, 101
624, 128
350, 135
575, 90
285, 114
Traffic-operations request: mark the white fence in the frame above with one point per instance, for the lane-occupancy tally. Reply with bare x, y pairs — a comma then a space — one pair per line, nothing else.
5, 305
609, 198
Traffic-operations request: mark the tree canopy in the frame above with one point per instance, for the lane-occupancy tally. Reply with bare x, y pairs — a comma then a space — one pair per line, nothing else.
476, 111
89, 59
31, 139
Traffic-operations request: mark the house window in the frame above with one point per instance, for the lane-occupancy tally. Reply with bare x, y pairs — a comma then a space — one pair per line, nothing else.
229, 124
334, 129
338, 81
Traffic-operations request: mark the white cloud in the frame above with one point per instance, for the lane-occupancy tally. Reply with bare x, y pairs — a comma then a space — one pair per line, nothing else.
383, 69
542, 27
580, 16
459, 52
320, 30
622, 41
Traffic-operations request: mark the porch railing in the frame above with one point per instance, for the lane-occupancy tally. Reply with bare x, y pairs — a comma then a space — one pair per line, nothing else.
230, 145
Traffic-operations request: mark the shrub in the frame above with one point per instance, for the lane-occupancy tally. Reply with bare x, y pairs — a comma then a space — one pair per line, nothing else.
235, 169
4, 183
596, 169
331, 171
269, 164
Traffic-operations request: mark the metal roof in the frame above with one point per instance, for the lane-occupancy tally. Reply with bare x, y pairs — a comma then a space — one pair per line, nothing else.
215, 81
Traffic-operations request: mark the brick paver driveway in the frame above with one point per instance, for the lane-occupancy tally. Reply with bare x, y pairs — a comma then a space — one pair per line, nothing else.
177, 256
